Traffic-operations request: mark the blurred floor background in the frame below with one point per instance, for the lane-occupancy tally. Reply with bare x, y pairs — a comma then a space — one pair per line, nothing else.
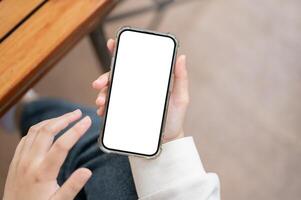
244, 62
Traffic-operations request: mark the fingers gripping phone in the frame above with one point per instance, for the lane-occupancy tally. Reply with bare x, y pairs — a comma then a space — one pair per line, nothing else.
138, 94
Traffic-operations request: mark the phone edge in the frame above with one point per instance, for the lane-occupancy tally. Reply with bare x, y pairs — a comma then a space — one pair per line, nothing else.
170, 83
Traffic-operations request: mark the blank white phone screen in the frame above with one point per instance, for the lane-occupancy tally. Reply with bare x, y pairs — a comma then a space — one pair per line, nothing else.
138, 92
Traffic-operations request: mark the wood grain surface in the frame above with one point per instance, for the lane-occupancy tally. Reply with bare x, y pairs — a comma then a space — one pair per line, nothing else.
12, 12
41, 40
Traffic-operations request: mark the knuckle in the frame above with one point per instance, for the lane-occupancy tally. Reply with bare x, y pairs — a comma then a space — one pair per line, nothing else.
29, 134
60, 146
23, 139
48, 129
33, 129
104, 90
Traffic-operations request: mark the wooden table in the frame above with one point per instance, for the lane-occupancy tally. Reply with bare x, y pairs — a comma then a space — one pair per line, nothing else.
35, 34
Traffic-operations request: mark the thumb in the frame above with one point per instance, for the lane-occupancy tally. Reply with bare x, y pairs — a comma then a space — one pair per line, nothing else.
73, 185
180, 85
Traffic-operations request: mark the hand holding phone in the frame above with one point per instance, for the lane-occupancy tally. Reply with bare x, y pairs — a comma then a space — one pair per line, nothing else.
178, 101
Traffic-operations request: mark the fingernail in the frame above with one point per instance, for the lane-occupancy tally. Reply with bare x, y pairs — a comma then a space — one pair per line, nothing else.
77, 112
85, 121
87, 118
87, 173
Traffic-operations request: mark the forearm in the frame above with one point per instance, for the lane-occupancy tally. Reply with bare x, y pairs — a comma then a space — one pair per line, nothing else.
177, 173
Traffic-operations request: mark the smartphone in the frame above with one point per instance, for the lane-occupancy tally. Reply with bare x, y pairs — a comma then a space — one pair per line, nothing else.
139, 85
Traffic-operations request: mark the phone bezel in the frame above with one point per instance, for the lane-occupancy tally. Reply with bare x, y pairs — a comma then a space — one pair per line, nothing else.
114, 57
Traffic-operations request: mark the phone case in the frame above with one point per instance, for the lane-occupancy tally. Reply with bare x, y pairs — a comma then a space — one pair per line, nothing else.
170, 85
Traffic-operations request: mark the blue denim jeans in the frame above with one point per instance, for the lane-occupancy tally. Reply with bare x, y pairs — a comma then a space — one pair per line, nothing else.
112, 177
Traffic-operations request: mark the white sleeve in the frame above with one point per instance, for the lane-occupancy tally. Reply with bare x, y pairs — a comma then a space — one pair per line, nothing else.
176, 174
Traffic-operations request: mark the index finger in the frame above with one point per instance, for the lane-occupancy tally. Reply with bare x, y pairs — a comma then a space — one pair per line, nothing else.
59, 150
46, 133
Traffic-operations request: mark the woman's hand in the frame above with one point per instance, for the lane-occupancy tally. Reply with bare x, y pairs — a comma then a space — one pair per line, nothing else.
178, 102
35, 166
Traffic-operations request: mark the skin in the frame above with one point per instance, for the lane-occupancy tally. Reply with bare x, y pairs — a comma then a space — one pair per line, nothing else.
35, 166
37, 160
